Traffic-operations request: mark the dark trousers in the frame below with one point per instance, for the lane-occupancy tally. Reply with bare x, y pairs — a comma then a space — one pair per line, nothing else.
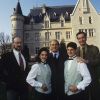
95, 92
78, 96
41, 96
59, 97
14, 95
2, 91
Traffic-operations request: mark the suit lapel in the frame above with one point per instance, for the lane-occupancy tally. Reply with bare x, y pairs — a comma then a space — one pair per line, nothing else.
88, 52
78, 51
14, 58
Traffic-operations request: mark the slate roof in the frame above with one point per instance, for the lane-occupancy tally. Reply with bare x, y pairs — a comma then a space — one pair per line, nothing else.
18, 10
53, 11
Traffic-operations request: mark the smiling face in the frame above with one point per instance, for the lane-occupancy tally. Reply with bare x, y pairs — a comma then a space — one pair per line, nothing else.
71, 51
43, 56
81, 39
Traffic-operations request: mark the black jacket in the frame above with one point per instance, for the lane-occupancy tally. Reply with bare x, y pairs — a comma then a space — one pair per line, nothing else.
14, 77
57, 78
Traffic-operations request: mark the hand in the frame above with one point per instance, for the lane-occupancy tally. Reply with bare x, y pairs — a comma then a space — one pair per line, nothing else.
81, 60
73, 88
44, 88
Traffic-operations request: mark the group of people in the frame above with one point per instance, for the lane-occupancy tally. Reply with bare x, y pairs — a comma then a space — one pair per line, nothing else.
53, 77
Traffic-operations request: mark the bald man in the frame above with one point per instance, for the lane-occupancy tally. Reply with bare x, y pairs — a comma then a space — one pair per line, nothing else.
56, 62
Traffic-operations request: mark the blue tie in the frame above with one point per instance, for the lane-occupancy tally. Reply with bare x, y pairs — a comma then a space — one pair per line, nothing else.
55, 56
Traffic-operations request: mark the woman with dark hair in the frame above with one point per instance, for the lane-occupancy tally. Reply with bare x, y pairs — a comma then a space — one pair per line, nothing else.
39, 76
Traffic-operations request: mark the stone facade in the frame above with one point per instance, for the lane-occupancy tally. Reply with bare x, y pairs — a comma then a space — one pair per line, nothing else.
56, 22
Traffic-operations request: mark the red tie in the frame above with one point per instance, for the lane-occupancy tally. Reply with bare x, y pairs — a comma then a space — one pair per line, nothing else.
21, 62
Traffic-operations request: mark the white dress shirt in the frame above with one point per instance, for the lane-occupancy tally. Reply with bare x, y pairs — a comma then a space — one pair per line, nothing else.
16, 54
82, 70
40, 74
57, 54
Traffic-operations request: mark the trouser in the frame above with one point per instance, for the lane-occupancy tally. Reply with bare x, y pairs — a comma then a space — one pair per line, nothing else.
2, 91
41, 96
95, 93
78, 96
58, 96
15, 95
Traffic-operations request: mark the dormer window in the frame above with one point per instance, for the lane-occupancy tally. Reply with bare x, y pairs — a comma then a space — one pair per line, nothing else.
67, 17
62, 23
31, 21
66, 14
54, 14
40, 15
44, 9
46, 24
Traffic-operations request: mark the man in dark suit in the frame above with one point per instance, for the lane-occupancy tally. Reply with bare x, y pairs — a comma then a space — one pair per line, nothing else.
15, 72
56, 62
91, 56
0, 71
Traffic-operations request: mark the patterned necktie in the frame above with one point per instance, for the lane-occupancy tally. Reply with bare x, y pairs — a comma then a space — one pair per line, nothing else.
21, 62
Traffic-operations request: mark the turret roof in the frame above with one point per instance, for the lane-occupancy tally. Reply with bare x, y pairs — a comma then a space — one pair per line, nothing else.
18, 10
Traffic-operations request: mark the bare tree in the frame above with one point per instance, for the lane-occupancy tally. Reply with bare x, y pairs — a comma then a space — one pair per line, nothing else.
5, 42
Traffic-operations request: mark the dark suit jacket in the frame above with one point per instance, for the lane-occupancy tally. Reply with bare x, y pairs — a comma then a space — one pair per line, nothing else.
57, 79
93, 56
0, 71
13, 75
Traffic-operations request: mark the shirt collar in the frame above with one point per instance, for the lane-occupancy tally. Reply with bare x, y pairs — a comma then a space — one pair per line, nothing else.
72, 57
15, 52
85, 46
57, 53
44, 64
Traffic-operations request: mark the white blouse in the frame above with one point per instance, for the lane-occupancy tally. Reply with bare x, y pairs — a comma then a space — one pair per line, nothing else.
40, 74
